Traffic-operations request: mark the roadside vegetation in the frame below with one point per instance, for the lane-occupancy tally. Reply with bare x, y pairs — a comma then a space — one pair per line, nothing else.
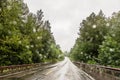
25, 37
99, 40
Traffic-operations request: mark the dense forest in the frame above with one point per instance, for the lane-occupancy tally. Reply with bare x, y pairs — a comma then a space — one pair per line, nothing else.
99, 40
25, 37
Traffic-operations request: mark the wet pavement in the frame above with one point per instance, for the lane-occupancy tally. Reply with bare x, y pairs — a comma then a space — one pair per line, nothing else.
64, 70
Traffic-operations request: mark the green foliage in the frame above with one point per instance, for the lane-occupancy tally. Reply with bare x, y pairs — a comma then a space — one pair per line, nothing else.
109, 52
99, 40
13, 50
92, 32
110, 48
24, 36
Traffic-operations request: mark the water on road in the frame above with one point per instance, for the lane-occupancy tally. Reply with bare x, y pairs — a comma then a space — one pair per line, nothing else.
64, 70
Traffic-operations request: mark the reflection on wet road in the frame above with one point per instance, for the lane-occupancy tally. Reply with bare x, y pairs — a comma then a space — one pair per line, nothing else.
64, 70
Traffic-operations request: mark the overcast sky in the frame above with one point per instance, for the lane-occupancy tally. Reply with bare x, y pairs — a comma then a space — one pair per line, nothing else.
66, 15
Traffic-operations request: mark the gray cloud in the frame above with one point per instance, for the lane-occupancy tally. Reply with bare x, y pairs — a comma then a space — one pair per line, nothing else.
66, 15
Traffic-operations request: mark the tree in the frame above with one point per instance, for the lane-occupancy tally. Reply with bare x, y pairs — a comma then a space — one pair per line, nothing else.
13, 47
109, 52
110, 49
25, 37
92, 32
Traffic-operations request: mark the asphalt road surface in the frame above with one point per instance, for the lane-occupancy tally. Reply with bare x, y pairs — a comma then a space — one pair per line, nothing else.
64, 70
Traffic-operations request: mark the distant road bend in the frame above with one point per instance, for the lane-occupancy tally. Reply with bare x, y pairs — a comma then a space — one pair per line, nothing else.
64, 70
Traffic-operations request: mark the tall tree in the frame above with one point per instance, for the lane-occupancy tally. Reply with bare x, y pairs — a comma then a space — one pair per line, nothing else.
25, 37
110, 49
13, 47
92, 32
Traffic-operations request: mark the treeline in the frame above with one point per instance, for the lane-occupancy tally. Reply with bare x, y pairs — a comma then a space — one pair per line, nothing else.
99, 40
25, 37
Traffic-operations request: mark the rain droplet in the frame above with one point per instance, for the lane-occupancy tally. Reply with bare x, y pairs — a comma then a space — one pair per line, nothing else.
34, 30
19, 42
32, 46
38, 37
27, 47
9, 7
111, 50
94, 26
107, 24
14, 22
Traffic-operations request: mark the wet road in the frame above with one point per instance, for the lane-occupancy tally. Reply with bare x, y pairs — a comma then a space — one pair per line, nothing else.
64, 70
